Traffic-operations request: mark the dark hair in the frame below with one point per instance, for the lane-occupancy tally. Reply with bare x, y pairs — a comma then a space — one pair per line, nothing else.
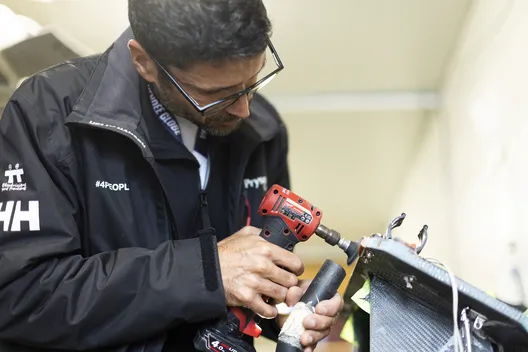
183, 32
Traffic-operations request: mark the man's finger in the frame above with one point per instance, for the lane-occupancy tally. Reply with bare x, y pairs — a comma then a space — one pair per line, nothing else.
318, 322
285, 259
281, 276
261, 308
272, 290
251, 230
330, 307
293, 296
311, 337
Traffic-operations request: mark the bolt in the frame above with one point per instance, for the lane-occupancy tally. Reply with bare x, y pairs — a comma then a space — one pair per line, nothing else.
409, 280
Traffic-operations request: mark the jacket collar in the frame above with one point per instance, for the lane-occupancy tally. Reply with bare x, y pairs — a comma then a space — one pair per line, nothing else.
111, 99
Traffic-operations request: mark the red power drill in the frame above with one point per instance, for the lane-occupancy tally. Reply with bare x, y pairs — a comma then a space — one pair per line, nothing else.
288, 220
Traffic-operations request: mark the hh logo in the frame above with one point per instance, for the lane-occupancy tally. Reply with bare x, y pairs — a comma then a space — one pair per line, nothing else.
12, 216
13, 176
256, 183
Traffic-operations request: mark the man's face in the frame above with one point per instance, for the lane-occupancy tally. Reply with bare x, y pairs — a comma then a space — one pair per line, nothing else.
207, 83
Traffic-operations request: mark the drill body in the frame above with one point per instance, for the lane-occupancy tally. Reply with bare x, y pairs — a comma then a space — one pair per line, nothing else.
289, 219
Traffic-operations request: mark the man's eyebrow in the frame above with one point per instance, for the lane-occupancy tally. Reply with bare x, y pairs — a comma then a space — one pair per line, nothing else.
221, 89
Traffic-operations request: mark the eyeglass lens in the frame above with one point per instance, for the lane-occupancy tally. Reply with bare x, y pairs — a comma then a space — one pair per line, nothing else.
263, 78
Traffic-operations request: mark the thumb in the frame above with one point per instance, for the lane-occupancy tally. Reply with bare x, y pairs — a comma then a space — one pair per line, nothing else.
293, 296
304, 284
251, 231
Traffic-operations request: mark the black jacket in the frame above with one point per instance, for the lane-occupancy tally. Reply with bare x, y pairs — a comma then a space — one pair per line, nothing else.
97, 251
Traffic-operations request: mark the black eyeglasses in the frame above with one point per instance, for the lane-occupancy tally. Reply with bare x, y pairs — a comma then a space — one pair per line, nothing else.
224, 103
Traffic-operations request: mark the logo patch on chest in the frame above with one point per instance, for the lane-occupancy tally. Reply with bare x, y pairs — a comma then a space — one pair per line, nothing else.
256, 183
13, 177
12, 215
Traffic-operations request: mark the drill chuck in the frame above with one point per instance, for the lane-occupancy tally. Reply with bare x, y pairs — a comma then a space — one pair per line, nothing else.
333, 238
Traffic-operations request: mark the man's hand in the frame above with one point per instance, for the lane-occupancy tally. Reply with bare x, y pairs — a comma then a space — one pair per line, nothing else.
251, 267
317, 325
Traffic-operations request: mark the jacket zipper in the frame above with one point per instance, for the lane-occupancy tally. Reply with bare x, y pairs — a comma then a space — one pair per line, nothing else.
238, 193
173, 224
204, 210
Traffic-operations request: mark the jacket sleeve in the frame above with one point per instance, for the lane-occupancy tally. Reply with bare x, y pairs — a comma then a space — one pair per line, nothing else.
51, 296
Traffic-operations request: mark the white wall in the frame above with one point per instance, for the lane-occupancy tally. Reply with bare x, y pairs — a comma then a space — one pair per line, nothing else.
473, 168
424, 197
74, 17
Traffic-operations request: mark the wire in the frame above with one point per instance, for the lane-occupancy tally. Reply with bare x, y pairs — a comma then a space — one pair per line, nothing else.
456, 332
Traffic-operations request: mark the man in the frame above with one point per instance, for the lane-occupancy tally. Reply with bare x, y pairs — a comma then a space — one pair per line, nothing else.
128, 213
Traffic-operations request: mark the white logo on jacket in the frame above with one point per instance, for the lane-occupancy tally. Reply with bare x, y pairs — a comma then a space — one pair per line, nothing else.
14, 179
116, 187
12, 216
261, 181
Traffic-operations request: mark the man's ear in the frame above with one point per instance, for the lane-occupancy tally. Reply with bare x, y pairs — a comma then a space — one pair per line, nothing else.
143, 62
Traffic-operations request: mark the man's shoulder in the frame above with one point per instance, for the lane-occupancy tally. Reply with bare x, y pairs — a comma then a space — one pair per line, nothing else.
44, 101
267, 107
266, 119
56, 89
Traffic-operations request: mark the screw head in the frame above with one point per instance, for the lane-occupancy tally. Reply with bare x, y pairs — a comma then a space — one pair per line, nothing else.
409, 280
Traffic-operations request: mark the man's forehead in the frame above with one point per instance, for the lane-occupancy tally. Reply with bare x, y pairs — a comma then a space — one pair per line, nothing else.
216, 77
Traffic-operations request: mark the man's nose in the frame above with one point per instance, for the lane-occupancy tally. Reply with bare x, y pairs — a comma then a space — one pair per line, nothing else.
240, 108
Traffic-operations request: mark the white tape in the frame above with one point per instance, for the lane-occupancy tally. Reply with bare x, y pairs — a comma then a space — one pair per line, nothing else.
283, 309
293, 327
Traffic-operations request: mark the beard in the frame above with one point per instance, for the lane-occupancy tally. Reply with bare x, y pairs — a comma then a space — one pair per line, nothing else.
219, 124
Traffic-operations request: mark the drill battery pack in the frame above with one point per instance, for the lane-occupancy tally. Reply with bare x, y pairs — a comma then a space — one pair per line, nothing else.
411, 305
